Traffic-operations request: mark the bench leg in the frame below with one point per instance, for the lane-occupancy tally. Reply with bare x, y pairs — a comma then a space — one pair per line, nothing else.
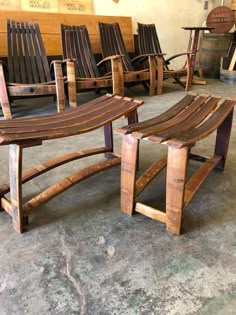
128, 173
222, 140
175, 184
15, 170
133, 117
108, 135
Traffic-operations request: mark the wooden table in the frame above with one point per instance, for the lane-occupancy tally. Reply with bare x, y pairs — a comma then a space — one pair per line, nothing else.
179, 128
193, 48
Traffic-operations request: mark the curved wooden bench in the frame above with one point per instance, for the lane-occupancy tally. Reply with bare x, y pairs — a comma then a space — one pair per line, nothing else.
179, 128
22, 133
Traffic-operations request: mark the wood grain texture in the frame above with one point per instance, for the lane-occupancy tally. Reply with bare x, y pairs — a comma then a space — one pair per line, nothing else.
22, 133
50, 26
187, 122
128, 173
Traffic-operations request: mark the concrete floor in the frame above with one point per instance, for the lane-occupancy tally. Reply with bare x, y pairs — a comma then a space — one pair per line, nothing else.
82, 255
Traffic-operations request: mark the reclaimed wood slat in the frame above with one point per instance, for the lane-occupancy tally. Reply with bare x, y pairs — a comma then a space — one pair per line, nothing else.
197, 179
28, 132
180, 137
173, 111
50, 28
150, 212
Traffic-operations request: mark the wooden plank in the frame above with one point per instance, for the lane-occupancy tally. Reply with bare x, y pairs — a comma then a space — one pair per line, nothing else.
150, 174
115, 108
172, 112
6, 205
128, 173
175, 183
191, 121
15, 171
206, 127
68, 182
198, 177
232, 62
50, 27
51, 164
173, 121
150, 212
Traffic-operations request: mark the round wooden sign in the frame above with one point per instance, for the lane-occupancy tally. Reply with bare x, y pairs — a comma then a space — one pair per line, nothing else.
221, 19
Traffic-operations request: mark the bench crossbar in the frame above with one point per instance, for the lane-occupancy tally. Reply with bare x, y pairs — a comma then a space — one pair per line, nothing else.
179, 128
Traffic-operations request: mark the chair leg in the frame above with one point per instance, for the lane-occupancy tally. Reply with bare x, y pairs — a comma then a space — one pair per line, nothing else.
222, 140
153, 77
160, 75
117, 77
128, 173
108, 135
60, 89
190, 71
4, 100
15, 171
175, 184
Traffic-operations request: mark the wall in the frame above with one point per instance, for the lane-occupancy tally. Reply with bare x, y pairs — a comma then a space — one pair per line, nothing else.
168, 15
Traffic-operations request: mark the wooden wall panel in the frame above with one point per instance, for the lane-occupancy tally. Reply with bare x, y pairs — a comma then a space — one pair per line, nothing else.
50, 28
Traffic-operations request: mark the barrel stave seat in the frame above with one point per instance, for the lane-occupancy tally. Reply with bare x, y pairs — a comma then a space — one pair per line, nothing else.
19, 134
179, 129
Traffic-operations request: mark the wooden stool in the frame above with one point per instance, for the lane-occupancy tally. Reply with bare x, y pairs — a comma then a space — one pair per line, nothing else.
23, 133
179, 128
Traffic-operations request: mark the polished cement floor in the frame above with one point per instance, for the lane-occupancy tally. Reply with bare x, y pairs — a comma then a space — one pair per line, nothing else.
82, 255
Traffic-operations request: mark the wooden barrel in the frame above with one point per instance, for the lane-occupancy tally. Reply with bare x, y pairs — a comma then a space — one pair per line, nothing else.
213, 47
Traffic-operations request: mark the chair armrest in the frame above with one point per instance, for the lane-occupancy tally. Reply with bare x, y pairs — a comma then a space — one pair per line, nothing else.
109, 58
60, 62
179, 55
141, 58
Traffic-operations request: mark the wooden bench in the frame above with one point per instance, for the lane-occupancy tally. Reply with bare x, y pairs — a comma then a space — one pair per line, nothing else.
28, 132
179, 128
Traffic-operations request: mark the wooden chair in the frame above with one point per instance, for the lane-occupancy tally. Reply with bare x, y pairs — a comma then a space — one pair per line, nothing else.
76, 45
112, 44
28, 73
148, 43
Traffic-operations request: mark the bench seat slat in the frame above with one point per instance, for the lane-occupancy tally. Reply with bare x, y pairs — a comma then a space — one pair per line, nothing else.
187, 124
181, 118
172, 112
205, 128
114, 110
54, 118
75, 119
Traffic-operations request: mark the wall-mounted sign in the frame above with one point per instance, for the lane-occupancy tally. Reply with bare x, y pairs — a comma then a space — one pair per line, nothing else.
39, 5
10, 4
76, 6
221, 19
55, 6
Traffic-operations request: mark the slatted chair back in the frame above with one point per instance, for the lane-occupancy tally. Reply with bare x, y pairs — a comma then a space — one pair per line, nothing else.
148, 41
27, 60
113, 44
76, 45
